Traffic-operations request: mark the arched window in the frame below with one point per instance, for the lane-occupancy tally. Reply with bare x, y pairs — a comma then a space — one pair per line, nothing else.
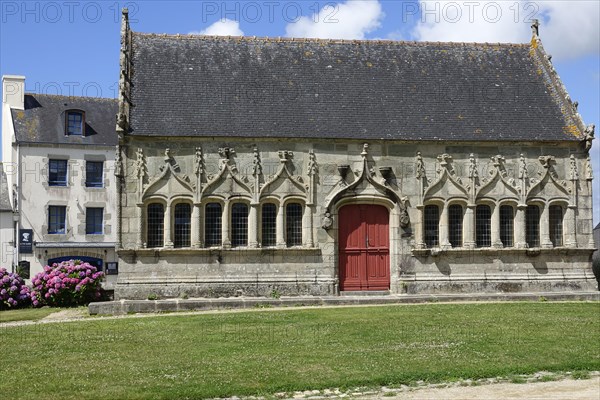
532, 226
156, 225
239, 225
483, 226
182, 225
212, 224
455, 225
269, 225
293, 223
507, 216
556, 225
431, 222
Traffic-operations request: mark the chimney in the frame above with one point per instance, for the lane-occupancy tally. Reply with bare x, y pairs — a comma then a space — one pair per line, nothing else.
13, 91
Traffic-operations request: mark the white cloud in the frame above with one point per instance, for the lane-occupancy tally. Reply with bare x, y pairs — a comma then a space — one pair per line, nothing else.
350, 20
569, 29
223, 27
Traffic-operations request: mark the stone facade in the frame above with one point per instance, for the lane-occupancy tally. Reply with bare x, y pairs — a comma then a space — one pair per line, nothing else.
324, 176
224, 196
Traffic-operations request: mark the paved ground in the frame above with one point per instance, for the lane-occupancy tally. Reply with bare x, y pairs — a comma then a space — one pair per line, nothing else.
568, 389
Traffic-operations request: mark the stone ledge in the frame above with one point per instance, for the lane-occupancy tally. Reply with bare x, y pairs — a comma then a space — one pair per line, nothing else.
156, 306
530, 252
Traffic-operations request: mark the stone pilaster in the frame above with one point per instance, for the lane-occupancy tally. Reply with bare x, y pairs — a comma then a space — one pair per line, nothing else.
469, 227
570, 224
140, 223
418, 227
520, 227
196, 235
167, 229
444, 242
280, 233
495, 227
545, 241
225, 223
253, 226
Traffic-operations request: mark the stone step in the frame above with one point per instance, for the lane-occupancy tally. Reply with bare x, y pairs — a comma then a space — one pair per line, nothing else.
365, 293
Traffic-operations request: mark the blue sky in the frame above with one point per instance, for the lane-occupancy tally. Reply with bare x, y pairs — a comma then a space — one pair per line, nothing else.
72, 47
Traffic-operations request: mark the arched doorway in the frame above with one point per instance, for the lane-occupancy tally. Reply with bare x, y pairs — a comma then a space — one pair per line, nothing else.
364, 247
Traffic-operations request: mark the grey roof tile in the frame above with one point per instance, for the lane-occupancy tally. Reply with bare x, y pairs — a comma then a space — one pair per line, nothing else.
43, 120
219, 86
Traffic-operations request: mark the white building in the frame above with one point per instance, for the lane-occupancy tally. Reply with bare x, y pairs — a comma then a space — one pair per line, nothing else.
58, 154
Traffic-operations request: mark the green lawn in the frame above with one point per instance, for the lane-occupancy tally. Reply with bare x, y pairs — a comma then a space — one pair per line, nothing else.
26, 314
214, 355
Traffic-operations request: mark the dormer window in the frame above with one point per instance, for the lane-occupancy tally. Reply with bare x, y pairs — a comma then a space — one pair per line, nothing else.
75, 121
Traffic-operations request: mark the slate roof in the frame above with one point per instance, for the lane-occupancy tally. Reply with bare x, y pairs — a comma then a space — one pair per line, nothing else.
276, 88
43, 120
4, 192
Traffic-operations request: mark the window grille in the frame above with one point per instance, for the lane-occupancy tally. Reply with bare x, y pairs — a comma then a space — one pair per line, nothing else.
483, 226
532, 226
239, 225
182, 226
212, 225
57, 216
75, 123
93, 221
269, 225
455, 225
94, 171
293, 218
556, 225
431, 223
507, 218
57, 173
156, 225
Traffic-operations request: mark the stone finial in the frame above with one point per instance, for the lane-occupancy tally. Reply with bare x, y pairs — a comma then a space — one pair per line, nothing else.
498, 163
198, 162
589, 171
168, 154
573, 173
140, 164
365, 150
535, 28
226, 153
285, 155
421, 173
473, 173
546, 161
118, 162
256, 163
522, 167
313, 168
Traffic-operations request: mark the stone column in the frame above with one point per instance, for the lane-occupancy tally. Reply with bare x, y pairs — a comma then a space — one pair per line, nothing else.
279, 226
418, 226
570, 226
444, 242
469, 227
307, 226
196, 238
167, 230
226, 240
520, 227
140, 226
253, 226
545, 241
495, 227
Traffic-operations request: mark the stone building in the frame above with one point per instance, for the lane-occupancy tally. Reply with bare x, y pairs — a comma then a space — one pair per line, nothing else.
266, 166
58, 154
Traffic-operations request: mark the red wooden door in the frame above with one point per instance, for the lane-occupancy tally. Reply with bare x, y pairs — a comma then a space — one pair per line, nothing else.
364, 261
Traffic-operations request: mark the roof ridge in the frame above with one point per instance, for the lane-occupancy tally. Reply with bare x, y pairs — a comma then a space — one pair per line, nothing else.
71, 97
321, 40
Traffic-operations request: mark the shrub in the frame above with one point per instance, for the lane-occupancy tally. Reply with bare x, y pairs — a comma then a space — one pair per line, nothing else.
13, 291
69, 283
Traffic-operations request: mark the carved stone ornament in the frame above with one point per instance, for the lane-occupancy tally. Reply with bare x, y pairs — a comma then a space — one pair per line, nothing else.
256, 163
573, 173
404, 217
140, 164
313, 168
327, 221
589, 171
198, 162
118, 162
589, 136
421, 173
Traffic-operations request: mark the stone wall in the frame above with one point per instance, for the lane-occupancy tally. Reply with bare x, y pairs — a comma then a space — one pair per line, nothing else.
325, 175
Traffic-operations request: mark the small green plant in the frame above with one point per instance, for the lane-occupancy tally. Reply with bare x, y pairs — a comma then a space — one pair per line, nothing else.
517, 379
152, 296
260, 305
184, 296
542, 299
275, 294
580, 375
547, 378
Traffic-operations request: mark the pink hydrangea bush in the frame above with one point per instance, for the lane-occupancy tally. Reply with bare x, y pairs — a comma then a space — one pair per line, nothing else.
13, 291
68, 283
